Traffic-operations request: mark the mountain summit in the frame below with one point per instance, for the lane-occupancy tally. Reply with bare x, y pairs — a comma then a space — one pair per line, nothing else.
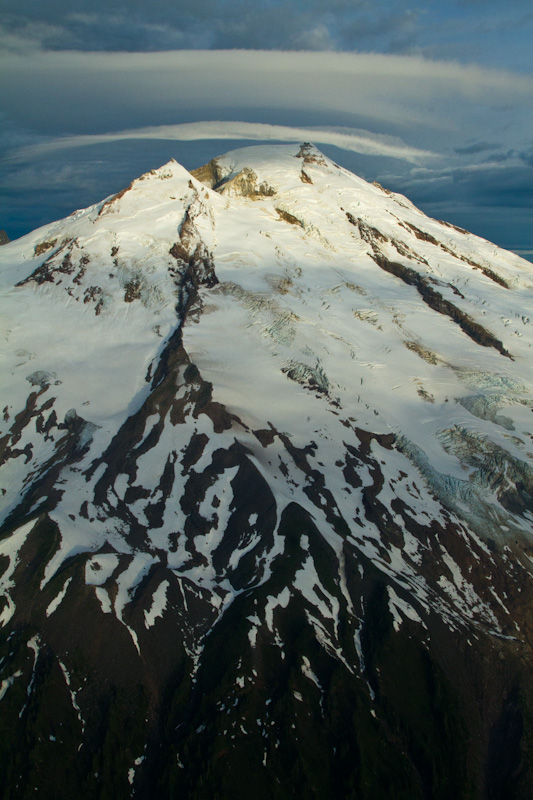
267, 507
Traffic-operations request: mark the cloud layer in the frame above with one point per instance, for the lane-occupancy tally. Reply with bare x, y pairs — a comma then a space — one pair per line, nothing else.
356, 141
99, 92
488, 32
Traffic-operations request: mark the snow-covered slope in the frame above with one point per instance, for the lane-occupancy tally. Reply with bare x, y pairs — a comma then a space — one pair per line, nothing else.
271, 408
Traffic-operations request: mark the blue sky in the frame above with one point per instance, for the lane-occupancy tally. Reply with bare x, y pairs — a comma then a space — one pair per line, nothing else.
434, 100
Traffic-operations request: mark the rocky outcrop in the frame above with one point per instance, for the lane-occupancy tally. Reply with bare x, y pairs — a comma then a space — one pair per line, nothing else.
209, 174
246, 184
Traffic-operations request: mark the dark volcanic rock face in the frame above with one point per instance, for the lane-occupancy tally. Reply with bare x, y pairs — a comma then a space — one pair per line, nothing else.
266, 496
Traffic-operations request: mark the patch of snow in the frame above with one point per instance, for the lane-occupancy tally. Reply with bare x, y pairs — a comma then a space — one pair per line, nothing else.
58, 598
281, 601
401, 609
10, 547
159, 604
7, 682
99, 568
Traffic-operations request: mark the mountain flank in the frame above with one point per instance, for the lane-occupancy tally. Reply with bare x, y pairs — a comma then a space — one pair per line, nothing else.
266, 478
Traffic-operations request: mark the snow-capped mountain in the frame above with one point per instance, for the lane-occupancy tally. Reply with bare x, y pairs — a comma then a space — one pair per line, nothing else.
266, 482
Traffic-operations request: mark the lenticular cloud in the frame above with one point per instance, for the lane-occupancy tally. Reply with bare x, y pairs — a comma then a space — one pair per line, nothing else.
357, 141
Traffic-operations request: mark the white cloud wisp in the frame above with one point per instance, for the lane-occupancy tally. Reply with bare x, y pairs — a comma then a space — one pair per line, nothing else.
362, 142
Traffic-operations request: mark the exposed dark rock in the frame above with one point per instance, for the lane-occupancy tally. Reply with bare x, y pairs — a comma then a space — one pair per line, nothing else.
438, 303
109, 204
288, 217
310, 155
195, 263
311, 377
132, 290
210, 174
406, 252
379, 186
368, 233
422, 351
492, 275
42, 247
455, 227
422, 235
246, 184
43, 379
54, 266
427, 237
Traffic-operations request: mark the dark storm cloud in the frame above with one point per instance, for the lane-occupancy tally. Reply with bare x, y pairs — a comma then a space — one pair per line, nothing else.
391, 26
488, 185
527, 156
290, 24
499, 158
478, 147
391, 32
493, 202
